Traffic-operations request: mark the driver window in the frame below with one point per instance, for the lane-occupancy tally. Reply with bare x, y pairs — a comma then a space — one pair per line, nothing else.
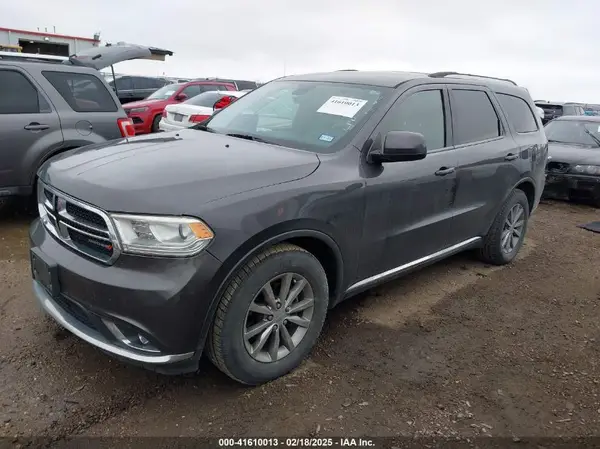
422, 112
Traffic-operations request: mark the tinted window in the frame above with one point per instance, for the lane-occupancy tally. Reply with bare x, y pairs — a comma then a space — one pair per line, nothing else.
519, 113
17, 94
193, 90
314, 116
124, 83
83, 92
422, 112
473, 116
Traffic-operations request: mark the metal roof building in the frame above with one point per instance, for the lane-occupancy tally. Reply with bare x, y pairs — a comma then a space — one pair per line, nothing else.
44, 43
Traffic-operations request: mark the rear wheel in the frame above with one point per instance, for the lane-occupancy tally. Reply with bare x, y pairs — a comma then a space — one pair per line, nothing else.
270, 315
155, 123
505, 237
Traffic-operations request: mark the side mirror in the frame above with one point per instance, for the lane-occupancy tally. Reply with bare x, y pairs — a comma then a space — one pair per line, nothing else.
399, 146
181, 97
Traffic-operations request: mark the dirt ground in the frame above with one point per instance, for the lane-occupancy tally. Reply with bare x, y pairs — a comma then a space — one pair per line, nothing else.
457, 349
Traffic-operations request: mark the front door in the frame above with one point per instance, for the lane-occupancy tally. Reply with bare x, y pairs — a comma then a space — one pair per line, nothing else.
409, 209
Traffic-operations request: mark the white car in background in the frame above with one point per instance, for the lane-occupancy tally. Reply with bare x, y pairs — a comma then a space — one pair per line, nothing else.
179, 116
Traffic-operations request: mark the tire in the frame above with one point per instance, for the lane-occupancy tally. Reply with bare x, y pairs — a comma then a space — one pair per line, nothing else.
492, 251
155, 123
228, 348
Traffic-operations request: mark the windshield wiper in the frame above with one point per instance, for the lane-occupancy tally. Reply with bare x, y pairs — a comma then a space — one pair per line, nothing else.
203, 127
248, 137
589, 133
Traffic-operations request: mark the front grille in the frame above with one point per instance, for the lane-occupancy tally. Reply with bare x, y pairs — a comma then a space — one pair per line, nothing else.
82, 227
557, 167
137, 120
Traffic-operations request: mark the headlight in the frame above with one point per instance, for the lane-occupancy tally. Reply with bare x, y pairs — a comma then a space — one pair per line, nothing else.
587, 169
162, 236
134, 110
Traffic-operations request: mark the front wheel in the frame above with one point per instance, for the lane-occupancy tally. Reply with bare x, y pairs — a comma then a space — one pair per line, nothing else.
505, 237
270, 315
155, 123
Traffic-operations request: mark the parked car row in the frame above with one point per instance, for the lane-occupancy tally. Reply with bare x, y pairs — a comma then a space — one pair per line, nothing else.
234, 235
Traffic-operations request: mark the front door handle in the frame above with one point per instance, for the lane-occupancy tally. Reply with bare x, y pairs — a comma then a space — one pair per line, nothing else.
511, 157
444, 171
35, 126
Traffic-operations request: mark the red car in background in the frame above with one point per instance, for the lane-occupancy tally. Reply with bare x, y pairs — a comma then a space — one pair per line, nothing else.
146, 114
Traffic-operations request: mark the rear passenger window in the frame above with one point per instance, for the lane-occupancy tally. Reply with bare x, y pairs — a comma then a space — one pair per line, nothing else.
18, 95
473, 117
422, 112
83, 92
519, 113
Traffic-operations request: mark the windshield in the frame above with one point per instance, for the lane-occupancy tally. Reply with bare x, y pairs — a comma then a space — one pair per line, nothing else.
207, 99
164, 92
574, 132
314, 116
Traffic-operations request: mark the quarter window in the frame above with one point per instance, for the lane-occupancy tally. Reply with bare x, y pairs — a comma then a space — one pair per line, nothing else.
519, 113
83, 92
422, 112
473, 117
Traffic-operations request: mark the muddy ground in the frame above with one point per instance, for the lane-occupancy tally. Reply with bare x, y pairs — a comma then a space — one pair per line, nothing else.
457, 349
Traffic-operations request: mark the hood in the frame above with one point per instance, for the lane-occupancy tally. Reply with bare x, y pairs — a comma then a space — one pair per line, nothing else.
144, 103
101, 57
172, 173
574, 154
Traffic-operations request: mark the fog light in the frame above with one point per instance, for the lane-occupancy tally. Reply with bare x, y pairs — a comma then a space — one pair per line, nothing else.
143, 340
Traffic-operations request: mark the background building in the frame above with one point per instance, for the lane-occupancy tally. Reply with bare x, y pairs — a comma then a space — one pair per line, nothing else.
44, 42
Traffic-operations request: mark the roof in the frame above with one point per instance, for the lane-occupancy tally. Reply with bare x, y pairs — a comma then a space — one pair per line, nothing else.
394, 79
42, 34
579, 118
382, 79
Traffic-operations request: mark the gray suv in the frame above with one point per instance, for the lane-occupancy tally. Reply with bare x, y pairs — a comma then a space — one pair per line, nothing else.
50, 107
234, 237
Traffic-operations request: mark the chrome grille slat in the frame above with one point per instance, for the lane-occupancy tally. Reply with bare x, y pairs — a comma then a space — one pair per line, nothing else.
67, 217
85, 229
89, 234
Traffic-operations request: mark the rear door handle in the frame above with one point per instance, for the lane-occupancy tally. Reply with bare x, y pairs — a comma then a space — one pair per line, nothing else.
444, 171
511, 157
35, 126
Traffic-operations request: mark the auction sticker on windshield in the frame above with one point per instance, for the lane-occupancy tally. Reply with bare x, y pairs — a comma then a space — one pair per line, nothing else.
343, 106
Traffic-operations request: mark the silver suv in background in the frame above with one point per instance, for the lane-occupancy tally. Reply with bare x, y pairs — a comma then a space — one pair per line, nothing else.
47, 107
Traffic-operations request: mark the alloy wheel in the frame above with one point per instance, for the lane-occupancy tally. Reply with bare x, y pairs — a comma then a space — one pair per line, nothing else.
278, 317
513, 228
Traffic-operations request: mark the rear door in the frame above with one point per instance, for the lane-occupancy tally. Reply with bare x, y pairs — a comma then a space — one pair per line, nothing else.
488, 158
410, 205
29, 128
89, 112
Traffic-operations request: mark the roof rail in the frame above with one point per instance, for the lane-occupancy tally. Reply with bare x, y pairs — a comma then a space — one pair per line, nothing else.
444, 74
31, 57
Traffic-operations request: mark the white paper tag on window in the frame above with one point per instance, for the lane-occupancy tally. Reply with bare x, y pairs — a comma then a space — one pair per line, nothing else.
343, 106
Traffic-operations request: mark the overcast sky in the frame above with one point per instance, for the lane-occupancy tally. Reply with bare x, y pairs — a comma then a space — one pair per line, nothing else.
547, 46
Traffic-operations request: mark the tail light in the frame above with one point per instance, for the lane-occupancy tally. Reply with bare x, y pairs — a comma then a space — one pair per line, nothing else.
164, 114
198, 118
224, 102
126, 127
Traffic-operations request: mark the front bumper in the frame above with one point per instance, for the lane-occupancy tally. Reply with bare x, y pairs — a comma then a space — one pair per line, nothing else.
165, 301
142, 123
572, 184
